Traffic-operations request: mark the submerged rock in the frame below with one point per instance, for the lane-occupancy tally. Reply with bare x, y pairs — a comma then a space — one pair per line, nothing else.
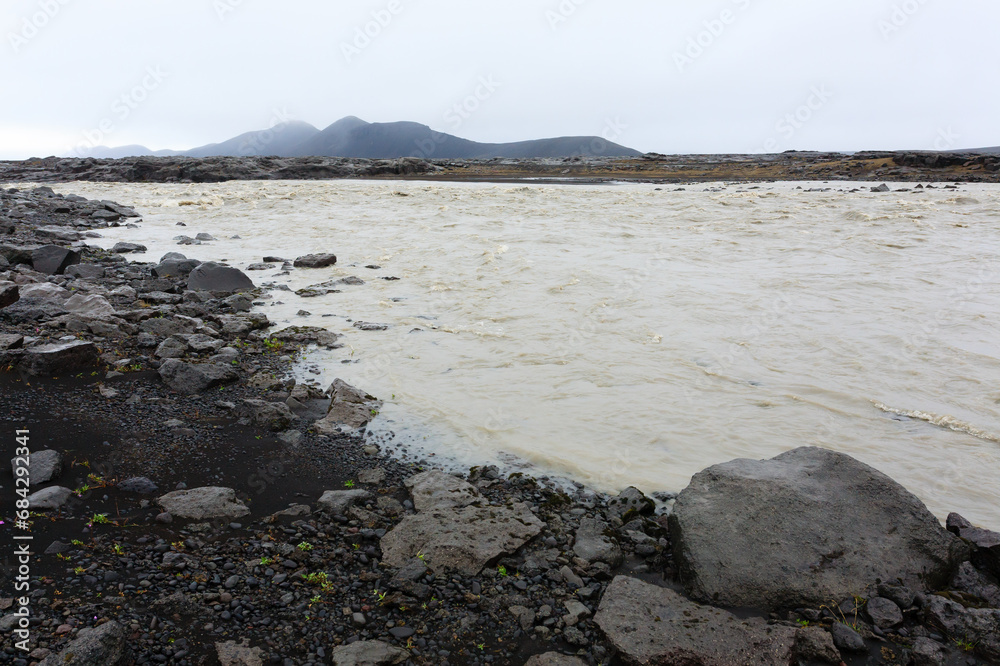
800, 529
315, 261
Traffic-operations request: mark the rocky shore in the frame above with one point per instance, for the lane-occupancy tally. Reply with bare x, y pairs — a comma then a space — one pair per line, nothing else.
192, 504
934, 167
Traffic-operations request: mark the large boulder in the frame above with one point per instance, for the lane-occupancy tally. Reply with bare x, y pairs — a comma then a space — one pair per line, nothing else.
86, 271
350, 409
43, 466
801, 529
59, 358
9, 294
461, 540
368, 653
218, 278
232, 654
554, 659
985, 543
438, 490
195, 377
128, 248
977, 628
175, 268
315, 261
106, 645
274, 415
338, 502
203, 503
593, 544
53, 260
49, 499
89, 306
44, 291
655, 625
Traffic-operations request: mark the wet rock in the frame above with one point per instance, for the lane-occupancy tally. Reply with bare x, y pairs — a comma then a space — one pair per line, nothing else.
655, 625
970, 580
203, 503
106, 645
437, 490
883, 613
927, 652
315, 261
86, 271
43, 466
48, 499
59, 358
350, 409
138, 484
308, 334
368, 653
53, 260
90, 306
10, 293
194, 378
985, 543
369, 326
881, 188
846, 638
631, 502
175, 268
978, 628
128, 248
232, 654
594, 545
575, 611
554, 659
273, 415
744, 531
10, 341
461, 540
814, 644
217, 278
338, 501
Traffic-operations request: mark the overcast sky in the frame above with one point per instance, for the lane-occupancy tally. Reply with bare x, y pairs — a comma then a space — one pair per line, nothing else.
656, 75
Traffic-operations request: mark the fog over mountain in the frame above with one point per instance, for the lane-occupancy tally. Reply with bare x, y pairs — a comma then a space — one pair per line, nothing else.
353, 137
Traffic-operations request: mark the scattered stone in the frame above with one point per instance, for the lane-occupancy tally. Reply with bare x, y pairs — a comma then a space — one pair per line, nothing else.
203, 503
883, 613
816, 644
175, 267
978, 628
48, 499
43, 466
373, 476
9, 294
985, 543
593, 545
106, 645
10, 341
314, 261
231, 654
744, 531
90, 306
138, 484
554, 659
846, 638
350, 409
273, 415
86, 271
881, 188
368, 653
338, 501
927, 652
368, 326
631, 502
437, 490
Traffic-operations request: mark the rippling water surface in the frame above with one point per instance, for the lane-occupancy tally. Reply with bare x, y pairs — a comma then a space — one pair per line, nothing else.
627, 335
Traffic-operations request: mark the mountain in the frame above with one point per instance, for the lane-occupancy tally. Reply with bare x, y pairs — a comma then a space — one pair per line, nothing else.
278, 140
353, 137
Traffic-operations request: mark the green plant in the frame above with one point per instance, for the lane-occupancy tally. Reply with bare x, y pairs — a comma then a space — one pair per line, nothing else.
481, 646
802, 623
78, 570
77, 542
421, 556
964, 644
100, 519
502, 571
316, 600
265, 561
349, 483
305, 546
118, 549
379, 595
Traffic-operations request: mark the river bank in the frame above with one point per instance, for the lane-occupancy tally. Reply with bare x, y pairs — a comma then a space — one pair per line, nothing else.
209, 502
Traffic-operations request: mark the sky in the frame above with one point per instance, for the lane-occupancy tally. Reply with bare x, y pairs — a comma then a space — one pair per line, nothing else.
662, 76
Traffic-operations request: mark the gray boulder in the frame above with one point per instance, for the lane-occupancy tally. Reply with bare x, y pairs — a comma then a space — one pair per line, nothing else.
315, 261
44, 291
274, 415
978, 628
800, 529
594, 545
175, 268
140, 485
89, 306
846, 638
883, 613
927, 652
338, 502
437, 490
655, 625
460, 540
203, 503
128, 248
9, 294
350, 409
49, 499
985, 543
11, 341
218, 278
195, 377
53, 260
232, 654
106, 645
43, 466
554, 659
368, 653
86, 271
59, 358
164, 327
629, 503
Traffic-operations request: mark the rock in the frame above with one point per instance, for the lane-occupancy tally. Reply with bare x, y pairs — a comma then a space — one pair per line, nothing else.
373, 476
350, 409
48, 499
883, 613
90, 306
460, 540
315, 261
44, 291
274, 415
239, 303
53, 260
368, 653
10, 341
631, 502
881, 188
10, 293
655, 625
43, 466
554, 659
164, 327
106, 645
971, 581
575, 611
308, 334
978, 628
745, 533
203, 503
985, 543
194, 378
814, 644
214, 277
138, 484
86, 271
846, 638
173, 347
231, 654
128, 248
369, 326
204, 237
175, 267
338, 501
593, 545
437, 490
927, 652
260, 267
59, 358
